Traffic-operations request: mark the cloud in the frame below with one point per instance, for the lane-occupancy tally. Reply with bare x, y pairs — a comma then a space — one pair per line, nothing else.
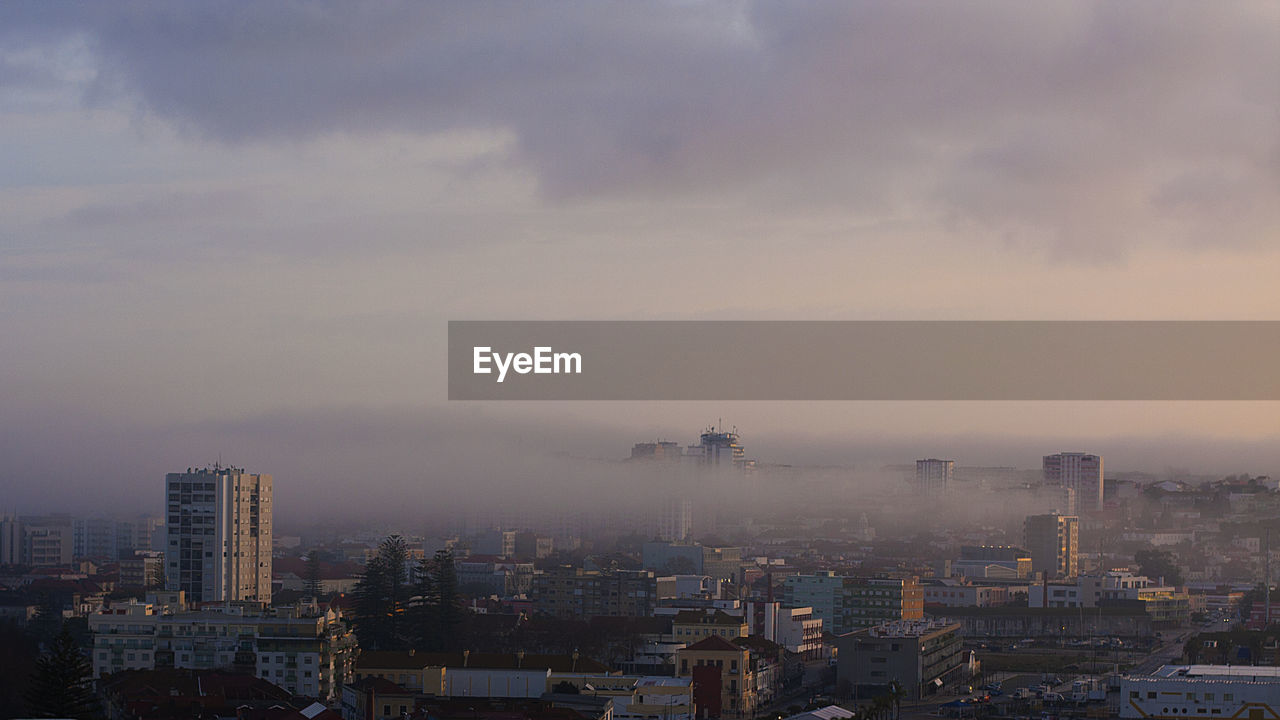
1059, 124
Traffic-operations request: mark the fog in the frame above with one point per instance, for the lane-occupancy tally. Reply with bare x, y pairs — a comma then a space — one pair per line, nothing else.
424, 469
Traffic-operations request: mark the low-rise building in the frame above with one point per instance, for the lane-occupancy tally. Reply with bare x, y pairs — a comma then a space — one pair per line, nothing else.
794, 628
1206, 691
847, 603
921, 656
302, 649
690, 626
957, 593
720, 671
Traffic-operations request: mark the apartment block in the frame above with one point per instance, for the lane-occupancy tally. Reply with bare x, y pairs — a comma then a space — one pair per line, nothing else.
218, 534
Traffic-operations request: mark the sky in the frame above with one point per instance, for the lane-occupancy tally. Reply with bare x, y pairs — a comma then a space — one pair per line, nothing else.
238, 230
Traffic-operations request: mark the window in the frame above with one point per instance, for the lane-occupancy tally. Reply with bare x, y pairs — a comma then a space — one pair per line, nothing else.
1133, 694
1151, 696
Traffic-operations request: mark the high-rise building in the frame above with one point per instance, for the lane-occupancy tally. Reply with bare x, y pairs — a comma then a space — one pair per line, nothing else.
218, 534
10, 540
933, 476
660, 450
1079, 476
47, 540
718, 448
1054, 543
676, 521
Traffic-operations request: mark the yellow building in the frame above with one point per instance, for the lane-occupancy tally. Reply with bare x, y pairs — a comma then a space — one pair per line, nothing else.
715, 657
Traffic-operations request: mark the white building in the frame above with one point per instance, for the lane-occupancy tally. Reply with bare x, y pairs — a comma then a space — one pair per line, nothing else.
47, 540
218, 534
305, 651
956, 593
1204, 691
1079, 475
934, 476
795, 628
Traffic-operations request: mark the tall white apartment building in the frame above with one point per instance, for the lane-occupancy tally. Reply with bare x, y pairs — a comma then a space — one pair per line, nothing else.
933, 476
218, 534
675, 523
1080, 477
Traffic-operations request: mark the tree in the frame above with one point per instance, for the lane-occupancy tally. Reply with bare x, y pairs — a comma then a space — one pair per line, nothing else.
451, 612
896, 694
48, 618
437, 613
314, 585
381, 598
424, 611
1157, 564
62, 684
370, 617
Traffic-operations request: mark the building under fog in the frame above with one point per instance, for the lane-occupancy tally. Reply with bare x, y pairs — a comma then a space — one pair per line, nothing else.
934, 476
1079, 477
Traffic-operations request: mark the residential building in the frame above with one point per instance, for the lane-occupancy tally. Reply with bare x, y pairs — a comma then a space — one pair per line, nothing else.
957, 593
141, 570
848, 603
569, 592
820, 592
499, 543
494, 576
1079, 476
473, 674
218, 534
671, 558
1167, 606
922, 656
684, 587
724, 681
690, 626
302, 649
10, 540
722, 563
47, 540
675, 523
532, 546
794, 628
1054, 543
934, 476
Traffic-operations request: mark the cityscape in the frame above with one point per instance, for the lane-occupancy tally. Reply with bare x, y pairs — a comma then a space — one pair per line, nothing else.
666, 360
1075, 588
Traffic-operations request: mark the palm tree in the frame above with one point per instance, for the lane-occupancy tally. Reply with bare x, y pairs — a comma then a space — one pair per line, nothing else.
896, 694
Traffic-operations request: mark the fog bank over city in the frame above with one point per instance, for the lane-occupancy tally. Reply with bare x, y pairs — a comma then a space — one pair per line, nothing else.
425, 464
